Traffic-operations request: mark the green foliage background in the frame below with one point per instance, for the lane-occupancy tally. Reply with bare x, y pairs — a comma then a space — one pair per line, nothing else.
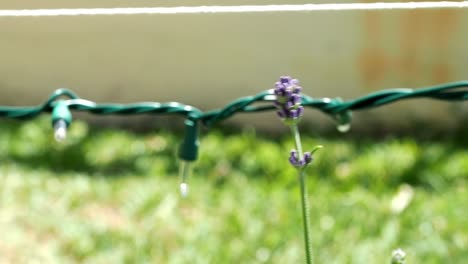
110, 196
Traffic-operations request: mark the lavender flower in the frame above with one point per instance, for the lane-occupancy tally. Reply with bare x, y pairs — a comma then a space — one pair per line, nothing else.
300, 162
288, 100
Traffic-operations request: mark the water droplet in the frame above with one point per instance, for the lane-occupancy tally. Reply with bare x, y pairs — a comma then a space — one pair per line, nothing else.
398, 256
184, 173
184, 189
343, 128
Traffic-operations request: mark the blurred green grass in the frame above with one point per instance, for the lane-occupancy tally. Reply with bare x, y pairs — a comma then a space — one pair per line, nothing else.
111, 196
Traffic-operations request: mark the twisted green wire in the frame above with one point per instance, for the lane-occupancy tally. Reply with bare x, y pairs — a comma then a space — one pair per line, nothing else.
456, 91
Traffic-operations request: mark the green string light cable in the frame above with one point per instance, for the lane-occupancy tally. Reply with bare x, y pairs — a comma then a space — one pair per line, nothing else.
340, 110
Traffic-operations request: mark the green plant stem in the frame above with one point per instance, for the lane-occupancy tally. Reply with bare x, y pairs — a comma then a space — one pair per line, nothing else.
305, 215
304, 197
297, 139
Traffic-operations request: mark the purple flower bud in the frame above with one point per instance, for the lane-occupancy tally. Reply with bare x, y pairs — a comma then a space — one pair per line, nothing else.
293, 158
285, 79
281, 113
293, 114
297, 89
295, 99
308, 158
288, 99
278, 92
300, 161
300, 110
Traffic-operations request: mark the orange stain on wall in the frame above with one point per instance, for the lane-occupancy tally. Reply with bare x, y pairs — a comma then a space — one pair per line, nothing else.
422, 43
373, 61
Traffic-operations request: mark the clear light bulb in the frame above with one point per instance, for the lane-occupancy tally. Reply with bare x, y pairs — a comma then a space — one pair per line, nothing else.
184, 173
60, 130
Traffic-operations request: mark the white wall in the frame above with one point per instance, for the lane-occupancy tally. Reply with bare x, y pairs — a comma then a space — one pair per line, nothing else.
208, 60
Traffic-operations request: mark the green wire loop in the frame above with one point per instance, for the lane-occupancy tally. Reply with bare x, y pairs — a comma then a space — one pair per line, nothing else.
456, 91
338, 109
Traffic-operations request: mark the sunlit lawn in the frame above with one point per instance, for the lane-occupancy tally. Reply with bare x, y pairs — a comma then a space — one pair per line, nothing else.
112, 197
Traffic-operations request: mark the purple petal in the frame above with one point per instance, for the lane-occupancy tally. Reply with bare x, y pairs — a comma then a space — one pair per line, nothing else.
307, 157
293, 114
297, 89
293, 158
281, 113
286, 112
279, 85
280, 91
301, 163
292, 161
285, 79
296, 99
300, 111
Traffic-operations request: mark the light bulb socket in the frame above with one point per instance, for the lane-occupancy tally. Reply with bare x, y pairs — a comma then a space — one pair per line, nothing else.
61, 112
188, 150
